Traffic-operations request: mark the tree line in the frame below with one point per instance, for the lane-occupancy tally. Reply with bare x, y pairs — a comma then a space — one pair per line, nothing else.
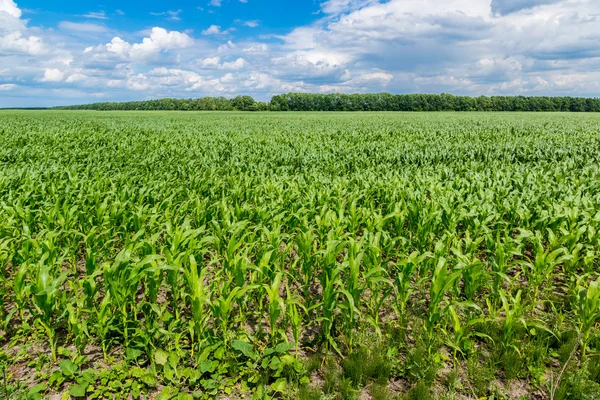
241, 103
357, 102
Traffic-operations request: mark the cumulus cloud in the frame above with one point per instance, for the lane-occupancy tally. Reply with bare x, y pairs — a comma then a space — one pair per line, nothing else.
224, 48
14, 38
237, 64
159, 40
212, 30
15, 42
76, 77
10, 7
175, 79
478, 44
53, 75
215, 63
310, 64
216, 30
210, 62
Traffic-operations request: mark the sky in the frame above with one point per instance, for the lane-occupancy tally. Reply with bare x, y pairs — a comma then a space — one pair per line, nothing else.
73, 52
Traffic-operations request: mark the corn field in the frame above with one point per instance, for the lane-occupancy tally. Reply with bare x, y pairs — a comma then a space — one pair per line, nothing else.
337, 256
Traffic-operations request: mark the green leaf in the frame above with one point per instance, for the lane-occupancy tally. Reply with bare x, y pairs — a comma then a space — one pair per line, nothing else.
135, 390
67, 368
41, 387
64, 352
149, 380
275, 363
283, 347
208, 365
264, 363
132, 353
161, 357
173, 359
243, 347
279, 385
268, 352
78, 390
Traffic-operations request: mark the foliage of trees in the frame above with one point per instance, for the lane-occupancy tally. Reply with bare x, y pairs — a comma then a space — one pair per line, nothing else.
359, 102
241, 103
428, 102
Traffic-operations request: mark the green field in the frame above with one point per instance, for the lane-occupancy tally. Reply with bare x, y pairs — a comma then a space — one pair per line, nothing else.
299, 255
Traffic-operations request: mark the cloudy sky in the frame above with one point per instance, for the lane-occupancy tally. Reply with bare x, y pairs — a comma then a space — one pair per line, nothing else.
67, 52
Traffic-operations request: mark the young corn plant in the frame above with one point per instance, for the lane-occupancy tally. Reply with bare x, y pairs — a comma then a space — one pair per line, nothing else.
199, 295
503, 250
123, 278
48, 299
540, 268
588, 309
406, 269
514, 315
375, 279
462, 333
276, 306
296, 313
442, 281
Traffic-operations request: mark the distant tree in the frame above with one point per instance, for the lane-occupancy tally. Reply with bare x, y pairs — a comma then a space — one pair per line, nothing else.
243, 103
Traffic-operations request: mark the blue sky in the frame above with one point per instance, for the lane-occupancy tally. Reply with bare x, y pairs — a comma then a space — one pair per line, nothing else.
54, 53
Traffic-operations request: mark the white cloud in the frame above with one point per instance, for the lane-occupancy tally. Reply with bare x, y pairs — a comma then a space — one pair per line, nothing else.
13, 32
382, 78
171, 15
138, 82
115, 83
464, 40
211, 62
250, 24
175, 79
96, 15
53, 75
236, 65
85, 27
256, 48
216, 30
10, 7
7, 86
340, 6
15, 42
313, 63
212, 30
77, 77
215, 63
159, 40
224, 48
215, 3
